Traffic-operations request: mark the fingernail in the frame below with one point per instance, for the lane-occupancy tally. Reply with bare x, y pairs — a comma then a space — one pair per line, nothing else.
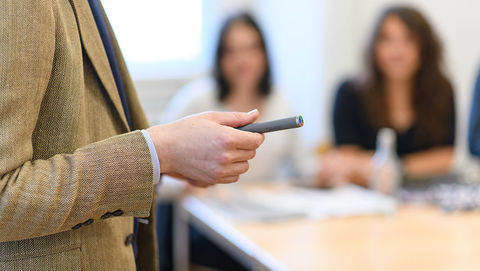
253, 111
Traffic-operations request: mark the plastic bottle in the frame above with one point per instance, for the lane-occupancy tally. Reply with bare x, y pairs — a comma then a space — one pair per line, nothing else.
386, 175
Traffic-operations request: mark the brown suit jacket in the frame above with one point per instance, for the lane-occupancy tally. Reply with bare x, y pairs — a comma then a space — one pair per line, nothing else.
72, 174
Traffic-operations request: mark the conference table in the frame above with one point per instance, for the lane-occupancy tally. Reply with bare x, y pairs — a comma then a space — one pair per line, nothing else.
415, 237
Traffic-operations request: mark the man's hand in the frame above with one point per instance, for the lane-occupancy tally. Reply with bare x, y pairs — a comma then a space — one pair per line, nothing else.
204, 149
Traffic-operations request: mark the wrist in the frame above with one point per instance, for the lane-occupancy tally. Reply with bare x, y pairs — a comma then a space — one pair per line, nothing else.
161, 140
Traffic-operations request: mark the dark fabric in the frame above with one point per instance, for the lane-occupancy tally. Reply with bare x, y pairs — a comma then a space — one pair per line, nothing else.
107, 43
165, 232
145, 242
474, 123
203, 252
353, 127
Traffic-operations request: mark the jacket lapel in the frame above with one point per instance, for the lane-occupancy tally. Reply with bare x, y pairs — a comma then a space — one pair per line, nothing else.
92, 43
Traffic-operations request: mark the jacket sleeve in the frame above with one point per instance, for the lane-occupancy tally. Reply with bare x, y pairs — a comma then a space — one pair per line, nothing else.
42, 197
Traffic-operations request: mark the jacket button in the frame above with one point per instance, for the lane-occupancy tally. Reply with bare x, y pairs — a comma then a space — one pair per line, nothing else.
118, 212
129, 239
106, 215
76, 227
88, 222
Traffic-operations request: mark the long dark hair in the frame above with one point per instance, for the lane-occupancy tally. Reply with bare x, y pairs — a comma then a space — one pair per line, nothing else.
265, 84
432, 94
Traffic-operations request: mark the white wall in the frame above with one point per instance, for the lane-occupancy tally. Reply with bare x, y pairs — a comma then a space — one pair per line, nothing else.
295, 40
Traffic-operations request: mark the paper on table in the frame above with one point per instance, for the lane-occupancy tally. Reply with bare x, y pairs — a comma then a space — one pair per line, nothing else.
313, 203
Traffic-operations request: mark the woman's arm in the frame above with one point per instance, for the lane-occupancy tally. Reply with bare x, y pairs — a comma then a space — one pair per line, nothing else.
345, 164
428, 163
350, 164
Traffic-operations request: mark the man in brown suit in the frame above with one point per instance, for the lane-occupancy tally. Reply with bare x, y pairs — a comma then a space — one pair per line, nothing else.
75, 164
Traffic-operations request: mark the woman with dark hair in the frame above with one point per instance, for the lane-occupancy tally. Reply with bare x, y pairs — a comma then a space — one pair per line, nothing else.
242, 68
242, 82
404, 89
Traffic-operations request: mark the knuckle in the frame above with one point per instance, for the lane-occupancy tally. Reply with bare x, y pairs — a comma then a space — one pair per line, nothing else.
227, 141
224, 158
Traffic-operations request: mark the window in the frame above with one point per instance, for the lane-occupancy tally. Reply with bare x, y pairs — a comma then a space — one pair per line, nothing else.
159, 38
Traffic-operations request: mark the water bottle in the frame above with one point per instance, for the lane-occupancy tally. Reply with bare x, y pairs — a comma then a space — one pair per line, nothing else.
386, 175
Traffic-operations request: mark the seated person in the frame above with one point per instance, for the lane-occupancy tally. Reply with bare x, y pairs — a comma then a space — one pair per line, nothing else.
404, 89
242, 82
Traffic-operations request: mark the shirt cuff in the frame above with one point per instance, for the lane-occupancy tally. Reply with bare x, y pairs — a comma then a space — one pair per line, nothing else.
153, 154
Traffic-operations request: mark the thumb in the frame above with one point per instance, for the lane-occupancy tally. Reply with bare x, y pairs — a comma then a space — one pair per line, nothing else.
235, 119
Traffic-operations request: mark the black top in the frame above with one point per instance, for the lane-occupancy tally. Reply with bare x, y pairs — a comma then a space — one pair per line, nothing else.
353, 127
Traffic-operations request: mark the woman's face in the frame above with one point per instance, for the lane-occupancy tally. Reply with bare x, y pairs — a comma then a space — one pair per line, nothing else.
243, 62
397, 51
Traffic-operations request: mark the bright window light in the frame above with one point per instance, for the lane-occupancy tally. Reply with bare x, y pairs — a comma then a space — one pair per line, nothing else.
156, 31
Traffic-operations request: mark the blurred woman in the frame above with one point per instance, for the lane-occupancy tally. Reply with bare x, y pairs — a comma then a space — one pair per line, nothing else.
242, 83
404, 89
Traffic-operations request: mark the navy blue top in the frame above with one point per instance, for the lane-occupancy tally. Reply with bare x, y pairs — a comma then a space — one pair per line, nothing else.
107, 43
474, 123
353, 127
